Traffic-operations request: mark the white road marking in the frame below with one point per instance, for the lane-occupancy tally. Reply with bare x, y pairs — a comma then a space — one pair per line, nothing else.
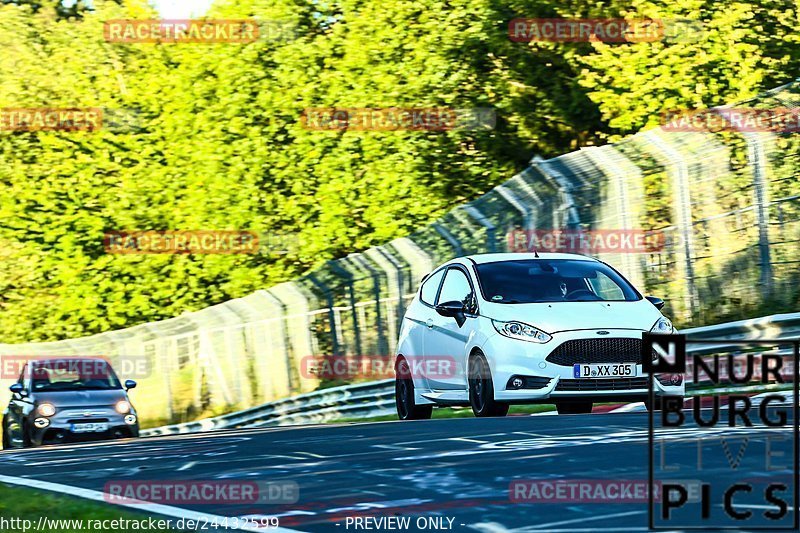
637, 407
593, 529
585, 519
155, 508
78, 460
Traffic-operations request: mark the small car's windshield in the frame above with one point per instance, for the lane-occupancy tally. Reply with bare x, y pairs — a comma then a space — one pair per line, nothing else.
556, 280
72, 375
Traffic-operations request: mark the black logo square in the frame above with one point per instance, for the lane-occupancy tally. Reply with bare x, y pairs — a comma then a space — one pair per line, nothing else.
663, 353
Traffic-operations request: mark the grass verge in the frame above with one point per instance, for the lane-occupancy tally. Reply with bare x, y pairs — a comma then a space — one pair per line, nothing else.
64, 514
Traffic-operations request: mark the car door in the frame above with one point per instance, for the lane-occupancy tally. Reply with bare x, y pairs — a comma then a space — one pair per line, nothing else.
446, 341
19, 405
417, 324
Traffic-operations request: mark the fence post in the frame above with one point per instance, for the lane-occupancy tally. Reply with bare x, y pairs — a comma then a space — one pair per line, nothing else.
450, 238
572, 218
758, 159
683, 207
384, 259
286, 340
331, 312
475, 213
359, 260
336, 267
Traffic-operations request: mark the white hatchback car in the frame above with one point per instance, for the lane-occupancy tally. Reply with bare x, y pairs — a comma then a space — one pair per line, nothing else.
493, 330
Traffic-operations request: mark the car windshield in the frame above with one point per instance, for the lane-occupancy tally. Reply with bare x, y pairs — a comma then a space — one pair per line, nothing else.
72, 375
556, 280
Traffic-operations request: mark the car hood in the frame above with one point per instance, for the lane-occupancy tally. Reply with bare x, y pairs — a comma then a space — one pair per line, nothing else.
553, 317
87, 398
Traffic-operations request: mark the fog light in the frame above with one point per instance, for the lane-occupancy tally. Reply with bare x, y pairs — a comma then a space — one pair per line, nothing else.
41, 422
515, 382
130, 419
670, 380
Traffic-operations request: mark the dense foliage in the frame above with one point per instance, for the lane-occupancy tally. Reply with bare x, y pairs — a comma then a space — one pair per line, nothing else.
212, 137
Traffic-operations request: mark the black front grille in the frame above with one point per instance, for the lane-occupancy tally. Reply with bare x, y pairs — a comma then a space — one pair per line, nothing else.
601, 384
87, 420
597, 351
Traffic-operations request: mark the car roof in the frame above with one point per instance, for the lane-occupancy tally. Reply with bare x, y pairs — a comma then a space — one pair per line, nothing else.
517, 256
45, 360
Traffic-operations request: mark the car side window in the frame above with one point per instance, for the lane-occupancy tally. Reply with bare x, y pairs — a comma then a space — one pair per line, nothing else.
457, 288
430, 286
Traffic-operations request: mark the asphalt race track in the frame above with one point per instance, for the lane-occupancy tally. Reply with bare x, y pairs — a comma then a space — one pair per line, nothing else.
451, 468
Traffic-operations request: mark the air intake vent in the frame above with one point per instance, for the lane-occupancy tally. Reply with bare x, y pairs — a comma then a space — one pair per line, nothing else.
597, 351
603, 384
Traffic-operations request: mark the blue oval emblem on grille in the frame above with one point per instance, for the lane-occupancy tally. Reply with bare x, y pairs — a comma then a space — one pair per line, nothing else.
602, 332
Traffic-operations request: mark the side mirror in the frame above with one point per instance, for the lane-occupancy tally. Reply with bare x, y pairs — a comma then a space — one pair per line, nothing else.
453, 309
130, 384
657, 302
17, 388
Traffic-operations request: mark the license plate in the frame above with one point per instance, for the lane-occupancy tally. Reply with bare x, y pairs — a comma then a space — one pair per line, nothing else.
90, 427
611, 370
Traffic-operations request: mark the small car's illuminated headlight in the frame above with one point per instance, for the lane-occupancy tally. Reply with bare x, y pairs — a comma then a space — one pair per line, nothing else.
46, 409
662, 325
130, 419
41, 423
122, 407
521, 331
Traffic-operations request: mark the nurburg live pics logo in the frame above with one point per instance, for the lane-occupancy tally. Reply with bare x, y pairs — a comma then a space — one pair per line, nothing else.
743, 459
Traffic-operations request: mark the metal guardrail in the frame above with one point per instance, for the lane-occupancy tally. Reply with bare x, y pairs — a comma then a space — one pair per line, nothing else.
374, 398
780, 326
377, 398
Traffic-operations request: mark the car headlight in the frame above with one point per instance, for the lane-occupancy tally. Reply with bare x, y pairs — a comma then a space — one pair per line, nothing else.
122, 407
662, 325
46, 409
521, 331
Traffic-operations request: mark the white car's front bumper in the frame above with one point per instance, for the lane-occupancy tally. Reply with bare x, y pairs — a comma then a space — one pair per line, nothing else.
545, 379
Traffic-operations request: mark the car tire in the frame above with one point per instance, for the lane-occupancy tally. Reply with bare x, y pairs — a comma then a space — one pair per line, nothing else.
26, 436
8, 443
404, 397
6, 438
658, 403
481, 390
574, 408
653, 406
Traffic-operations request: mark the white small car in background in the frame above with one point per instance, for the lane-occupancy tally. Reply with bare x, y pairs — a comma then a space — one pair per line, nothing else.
493, 330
